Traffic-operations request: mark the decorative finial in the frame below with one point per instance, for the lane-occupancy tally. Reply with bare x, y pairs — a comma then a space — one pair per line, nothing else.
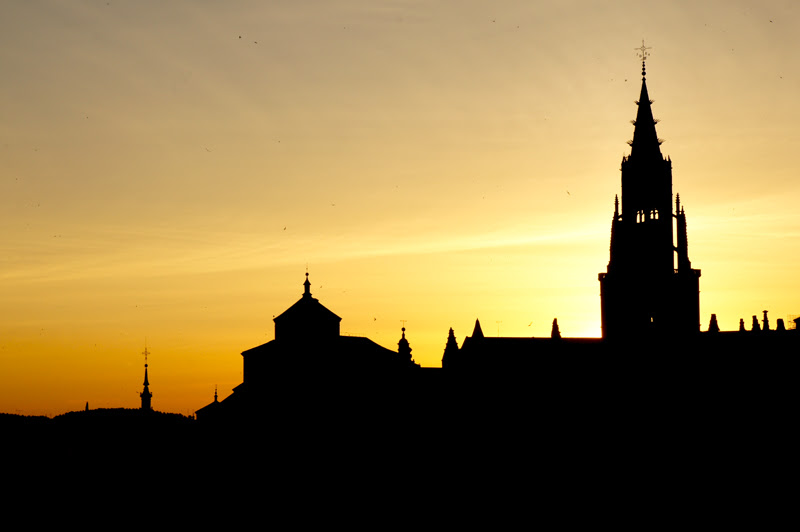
643, 55
307, 286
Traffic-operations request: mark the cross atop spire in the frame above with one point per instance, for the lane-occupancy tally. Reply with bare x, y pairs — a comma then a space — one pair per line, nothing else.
643, 55
145, 353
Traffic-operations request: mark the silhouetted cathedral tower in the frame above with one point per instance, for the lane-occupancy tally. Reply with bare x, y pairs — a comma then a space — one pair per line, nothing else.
650, 288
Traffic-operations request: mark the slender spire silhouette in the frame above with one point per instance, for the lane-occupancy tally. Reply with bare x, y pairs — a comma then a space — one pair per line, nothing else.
146, 395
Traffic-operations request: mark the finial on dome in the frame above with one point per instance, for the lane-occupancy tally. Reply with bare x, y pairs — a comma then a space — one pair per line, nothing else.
307, 287
643, 55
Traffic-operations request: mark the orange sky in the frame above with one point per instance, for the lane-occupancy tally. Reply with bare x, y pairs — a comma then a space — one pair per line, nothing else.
170, 168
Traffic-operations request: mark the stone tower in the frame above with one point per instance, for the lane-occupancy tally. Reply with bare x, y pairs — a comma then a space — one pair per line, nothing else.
650, 289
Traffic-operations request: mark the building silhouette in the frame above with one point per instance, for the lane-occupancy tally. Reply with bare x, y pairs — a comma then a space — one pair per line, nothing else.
651, 340
649, 297
310, 360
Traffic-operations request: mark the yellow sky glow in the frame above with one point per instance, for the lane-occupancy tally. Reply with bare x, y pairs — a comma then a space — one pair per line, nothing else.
169, 170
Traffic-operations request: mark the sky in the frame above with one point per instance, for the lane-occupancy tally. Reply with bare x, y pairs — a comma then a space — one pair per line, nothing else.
169, 170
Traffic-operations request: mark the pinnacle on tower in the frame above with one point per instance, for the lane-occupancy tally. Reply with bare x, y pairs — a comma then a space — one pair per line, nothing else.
555, 333
713, 326
450, 349
477, 332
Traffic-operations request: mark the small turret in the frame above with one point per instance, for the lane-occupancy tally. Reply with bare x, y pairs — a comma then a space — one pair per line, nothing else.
403, 347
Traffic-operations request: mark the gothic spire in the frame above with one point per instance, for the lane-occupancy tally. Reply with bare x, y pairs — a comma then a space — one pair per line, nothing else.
645, 140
